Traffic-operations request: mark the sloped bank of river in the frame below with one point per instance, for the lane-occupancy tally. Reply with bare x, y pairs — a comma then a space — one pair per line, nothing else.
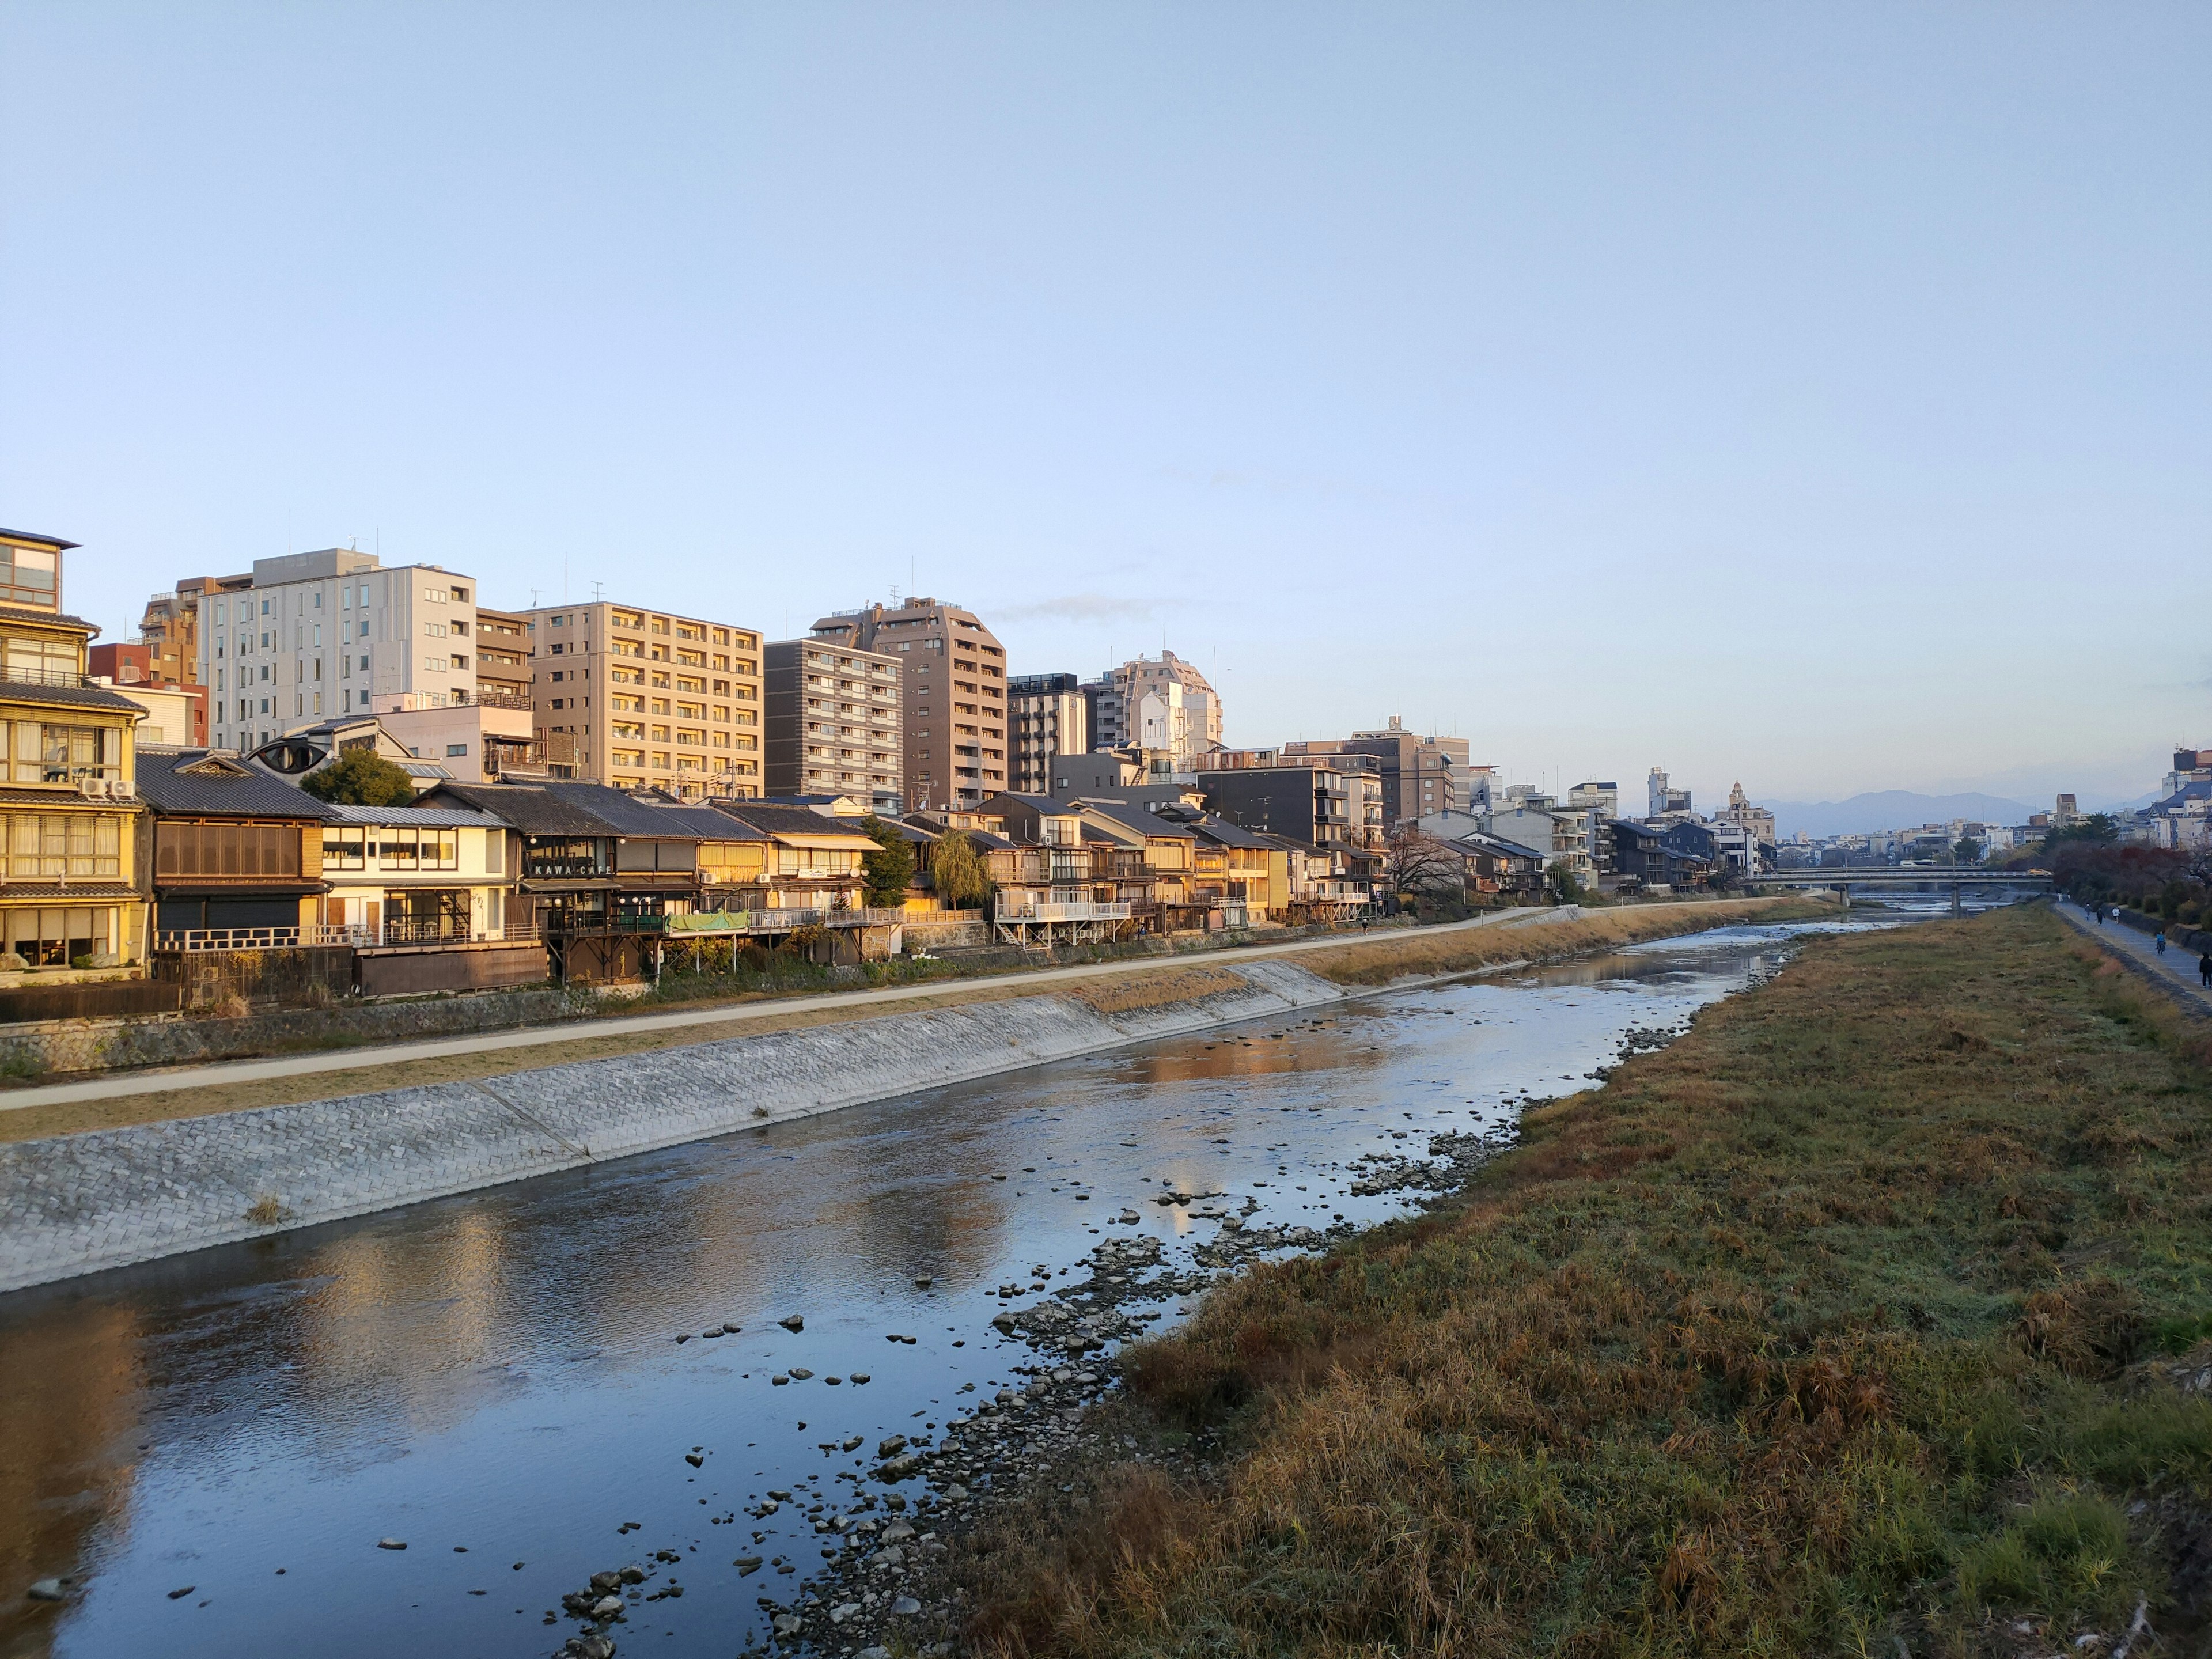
1873, 1316
694, 1371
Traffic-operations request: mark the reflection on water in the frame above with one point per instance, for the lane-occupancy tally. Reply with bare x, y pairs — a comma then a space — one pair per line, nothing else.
495, 1378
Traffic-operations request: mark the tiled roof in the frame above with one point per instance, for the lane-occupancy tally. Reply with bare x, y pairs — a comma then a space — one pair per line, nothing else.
55, 798
1227, 833
65, 696
76, 892
189, 782
421, 817
1137, 819
531, 808
788, 820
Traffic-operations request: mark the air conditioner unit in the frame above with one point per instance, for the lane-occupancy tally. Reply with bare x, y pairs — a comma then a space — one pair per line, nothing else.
93, 788
122, 789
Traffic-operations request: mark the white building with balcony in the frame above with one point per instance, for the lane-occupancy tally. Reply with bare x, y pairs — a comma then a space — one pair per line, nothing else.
415, 875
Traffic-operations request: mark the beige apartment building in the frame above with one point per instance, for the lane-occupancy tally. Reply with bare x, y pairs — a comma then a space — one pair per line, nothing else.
953, 693
646, 698
834, 722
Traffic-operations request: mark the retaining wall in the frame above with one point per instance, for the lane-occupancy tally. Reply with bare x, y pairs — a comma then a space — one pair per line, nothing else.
77, 1204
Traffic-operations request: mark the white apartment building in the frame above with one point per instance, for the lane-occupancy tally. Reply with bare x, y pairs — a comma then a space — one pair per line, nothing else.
329, 634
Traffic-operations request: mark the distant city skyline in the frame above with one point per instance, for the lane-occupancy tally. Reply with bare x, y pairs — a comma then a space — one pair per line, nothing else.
1813, 400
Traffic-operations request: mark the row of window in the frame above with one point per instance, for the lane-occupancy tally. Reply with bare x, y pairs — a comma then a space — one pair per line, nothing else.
355, 847
225, 849
54, 846
351, 595
46, 753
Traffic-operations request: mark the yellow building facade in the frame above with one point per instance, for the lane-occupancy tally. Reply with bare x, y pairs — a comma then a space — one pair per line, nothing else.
73, 893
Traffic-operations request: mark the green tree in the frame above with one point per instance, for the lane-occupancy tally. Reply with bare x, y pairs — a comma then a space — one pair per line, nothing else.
963, 881
887, 872
2097, 827
1968, 851
1564, 885
361, 777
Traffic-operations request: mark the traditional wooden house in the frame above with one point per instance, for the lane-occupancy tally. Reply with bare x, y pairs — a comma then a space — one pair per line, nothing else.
72, 891
238, 855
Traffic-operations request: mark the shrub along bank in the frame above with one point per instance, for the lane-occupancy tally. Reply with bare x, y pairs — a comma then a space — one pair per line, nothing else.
1872, 1311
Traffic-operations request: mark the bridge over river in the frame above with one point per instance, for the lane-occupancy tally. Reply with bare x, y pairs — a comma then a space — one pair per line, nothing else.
1843, 877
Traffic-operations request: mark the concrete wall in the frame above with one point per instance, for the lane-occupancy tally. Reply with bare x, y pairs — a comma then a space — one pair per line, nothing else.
77, 1204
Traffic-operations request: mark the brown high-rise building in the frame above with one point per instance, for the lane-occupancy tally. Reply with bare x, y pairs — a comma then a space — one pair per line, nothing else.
953, 686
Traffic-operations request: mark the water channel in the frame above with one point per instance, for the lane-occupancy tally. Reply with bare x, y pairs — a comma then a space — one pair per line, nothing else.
211, 1447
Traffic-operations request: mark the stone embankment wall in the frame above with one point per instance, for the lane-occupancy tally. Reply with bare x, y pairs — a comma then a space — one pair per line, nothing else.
80, 1203
99, 1045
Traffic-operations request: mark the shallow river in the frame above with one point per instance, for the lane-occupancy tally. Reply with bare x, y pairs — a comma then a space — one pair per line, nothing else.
212, 1447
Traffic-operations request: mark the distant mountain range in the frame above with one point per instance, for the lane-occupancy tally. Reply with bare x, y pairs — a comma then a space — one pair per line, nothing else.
1890, 809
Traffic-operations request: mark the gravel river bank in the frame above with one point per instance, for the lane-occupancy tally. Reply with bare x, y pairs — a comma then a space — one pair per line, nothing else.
840, 1338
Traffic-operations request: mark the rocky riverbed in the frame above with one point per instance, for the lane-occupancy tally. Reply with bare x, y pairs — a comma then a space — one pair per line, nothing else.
886, 1586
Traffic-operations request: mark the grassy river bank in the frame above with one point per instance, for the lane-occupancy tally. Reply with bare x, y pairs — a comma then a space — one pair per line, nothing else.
1871, 1316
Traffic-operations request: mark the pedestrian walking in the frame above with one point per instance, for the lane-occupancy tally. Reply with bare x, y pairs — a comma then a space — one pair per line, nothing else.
2205, 966
2159, 939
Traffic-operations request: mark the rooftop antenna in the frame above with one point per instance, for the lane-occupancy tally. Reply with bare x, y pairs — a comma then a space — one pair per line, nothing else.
598, 592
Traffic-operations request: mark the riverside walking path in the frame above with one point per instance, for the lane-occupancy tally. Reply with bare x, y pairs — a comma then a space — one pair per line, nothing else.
233, 1072
2176, 971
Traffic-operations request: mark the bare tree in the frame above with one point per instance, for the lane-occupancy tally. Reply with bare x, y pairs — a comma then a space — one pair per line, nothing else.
1423, 867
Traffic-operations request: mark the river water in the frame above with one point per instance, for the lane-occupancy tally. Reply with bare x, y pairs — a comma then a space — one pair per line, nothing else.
495, 1381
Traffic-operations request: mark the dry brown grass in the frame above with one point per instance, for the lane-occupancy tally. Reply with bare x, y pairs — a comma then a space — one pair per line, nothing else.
1829, 1327
1399, 956
1128, 994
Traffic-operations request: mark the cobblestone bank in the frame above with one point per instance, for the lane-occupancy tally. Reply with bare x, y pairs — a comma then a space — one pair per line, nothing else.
77, 1204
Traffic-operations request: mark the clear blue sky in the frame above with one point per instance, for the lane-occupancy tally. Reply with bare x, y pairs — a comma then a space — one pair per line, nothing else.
1813, 395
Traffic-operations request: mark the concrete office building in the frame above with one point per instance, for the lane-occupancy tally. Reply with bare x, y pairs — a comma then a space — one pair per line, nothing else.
1047, 716
332, 632
1329, 803
833, 723
1419, 775
643, 698
953, 695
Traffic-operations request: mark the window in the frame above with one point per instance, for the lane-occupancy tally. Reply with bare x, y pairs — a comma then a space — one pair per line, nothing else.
47, 846
435, 630
456, 749
435, 596
244, 850
53, 662
342, 847
435, 666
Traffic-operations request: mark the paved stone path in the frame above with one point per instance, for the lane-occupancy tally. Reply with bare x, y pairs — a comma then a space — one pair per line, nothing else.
2176, 971
220, 1073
